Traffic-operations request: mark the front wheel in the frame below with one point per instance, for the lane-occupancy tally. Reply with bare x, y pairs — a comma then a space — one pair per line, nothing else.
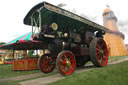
66, 62
47, 63
98, 52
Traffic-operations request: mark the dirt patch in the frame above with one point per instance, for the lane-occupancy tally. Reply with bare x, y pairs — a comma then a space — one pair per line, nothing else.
43, 81
17, 78
118, 61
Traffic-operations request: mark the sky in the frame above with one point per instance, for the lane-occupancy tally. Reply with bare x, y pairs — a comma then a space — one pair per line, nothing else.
14, 11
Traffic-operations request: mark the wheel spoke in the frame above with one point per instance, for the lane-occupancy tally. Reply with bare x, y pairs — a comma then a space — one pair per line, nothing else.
97, 49
69, 69
64, 68
102, 45
98, 56
65, 57
103, 60
61, 61
98, 46
70, 58
45, 66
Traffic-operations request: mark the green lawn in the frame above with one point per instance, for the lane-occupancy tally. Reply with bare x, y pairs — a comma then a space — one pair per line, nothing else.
6, 71
9, 83
109, 75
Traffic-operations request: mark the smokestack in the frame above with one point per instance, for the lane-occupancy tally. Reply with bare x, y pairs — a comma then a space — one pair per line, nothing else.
114, 39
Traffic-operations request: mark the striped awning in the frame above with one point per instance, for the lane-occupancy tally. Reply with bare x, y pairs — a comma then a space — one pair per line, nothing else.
24, 42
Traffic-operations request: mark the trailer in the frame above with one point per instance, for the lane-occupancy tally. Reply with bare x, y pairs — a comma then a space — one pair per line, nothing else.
71, 40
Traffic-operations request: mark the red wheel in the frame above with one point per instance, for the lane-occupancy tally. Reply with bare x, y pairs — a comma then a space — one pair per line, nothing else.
47, 63
98, 52
66, 62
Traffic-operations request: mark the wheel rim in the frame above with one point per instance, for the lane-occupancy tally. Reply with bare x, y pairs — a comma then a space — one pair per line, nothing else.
47, 63
102, 52
67, 63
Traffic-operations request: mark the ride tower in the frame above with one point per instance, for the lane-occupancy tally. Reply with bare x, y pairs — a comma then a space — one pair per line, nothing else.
114, 38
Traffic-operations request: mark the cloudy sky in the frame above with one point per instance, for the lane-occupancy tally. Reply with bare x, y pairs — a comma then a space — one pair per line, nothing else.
14, 11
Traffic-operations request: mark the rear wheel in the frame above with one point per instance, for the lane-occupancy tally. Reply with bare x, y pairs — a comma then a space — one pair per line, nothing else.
98, 52
47, 63
66, 62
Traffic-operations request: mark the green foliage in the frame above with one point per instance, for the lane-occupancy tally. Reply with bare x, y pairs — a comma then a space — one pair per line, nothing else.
109, 75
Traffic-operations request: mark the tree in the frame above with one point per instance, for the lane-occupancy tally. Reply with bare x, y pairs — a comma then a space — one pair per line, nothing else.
1, 43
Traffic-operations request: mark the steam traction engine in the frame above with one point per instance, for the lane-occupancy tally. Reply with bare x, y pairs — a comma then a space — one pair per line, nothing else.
72, 41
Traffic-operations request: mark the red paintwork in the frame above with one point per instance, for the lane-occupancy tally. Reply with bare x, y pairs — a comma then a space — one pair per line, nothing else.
64, 57
25, 64
47, 63
101, 46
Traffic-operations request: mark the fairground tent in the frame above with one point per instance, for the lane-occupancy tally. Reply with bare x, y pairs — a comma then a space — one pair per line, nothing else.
24, 42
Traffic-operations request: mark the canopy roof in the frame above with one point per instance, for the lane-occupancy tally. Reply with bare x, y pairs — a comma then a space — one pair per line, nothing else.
24, 42
65, 19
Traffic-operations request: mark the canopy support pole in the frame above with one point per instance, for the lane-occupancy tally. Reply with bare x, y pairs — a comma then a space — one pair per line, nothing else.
13, 55
39, 30
25, 54
32, 25
36, 53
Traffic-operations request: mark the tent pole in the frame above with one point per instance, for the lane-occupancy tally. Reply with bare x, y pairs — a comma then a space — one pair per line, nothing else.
13, 54
26, 54
36, 53
32, 25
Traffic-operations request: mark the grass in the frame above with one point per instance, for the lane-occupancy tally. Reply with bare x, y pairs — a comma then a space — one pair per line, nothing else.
109, 75
9, 83
18, 73
113, 58
6, 72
